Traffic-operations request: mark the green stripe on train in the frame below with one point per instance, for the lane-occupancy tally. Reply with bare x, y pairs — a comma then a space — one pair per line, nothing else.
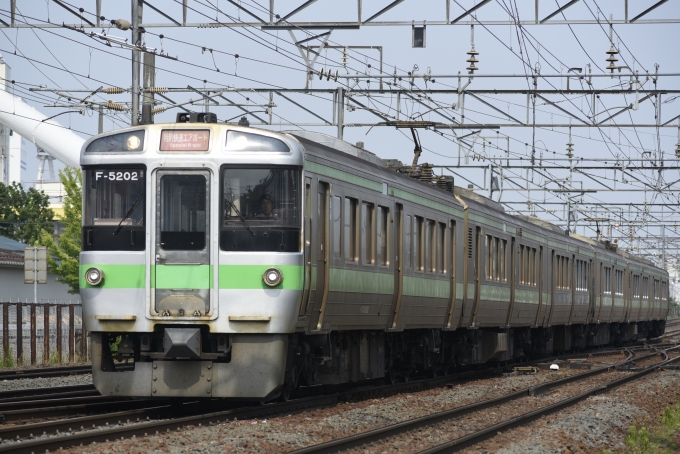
360, 281
117, 276
179, 276
417, 286
249, 277
343, 176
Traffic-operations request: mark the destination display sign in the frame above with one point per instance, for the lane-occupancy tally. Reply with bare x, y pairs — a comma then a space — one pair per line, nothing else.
179, 140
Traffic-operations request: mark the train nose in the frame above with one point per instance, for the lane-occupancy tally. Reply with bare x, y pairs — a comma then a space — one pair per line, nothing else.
182, 343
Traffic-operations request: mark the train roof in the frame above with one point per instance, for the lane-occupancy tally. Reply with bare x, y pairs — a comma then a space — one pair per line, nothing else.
477, 201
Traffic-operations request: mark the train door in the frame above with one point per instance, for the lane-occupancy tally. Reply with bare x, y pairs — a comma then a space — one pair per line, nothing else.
181, 277
398, 267
452, 257
307, 249
322, 247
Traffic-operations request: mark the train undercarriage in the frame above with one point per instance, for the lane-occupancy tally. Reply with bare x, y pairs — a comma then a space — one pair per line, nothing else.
180, 361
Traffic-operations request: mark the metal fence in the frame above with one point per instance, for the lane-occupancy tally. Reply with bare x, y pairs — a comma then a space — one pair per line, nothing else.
42, 334
674, 312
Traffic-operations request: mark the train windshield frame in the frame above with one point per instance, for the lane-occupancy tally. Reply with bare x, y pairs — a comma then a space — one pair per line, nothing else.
261, 208
114, 208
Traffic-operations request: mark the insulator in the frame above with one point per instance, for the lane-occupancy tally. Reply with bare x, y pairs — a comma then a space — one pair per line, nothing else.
122, 24
114, 106
677, 150
157, 110
344, 57
612, 58
441, 183
570, 148
158, 89
472, 60
426, 173
113, 90
321, 74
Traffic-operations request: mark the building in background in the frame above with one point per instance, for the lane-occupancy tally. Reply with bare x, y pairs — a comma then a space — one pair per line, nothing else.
12, 287
22, 162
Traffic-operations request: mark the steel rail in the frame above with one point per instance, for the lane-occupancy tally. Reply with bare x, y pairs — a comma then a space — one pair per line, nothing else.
45, 372
28, 414
5, 396
396, 429
489, 432
89, 392
86, 422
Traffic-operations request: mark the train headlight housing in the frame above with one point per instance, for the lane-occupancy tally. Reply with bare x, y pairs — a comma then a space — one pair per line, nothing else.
272, 277
94, 276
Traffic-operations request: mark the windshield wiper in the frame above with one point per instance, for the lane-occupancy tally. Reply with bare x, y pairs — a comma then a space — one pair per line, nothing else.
129, 212
239, 214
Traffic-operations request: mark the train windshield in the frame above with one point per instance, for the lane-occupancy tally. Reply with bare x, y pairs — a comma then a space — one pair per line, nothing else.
114, 208
260, 209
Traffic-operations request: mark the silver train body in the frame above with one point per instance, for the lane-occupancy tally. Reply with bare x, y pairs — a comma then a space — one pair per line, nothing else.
223, 261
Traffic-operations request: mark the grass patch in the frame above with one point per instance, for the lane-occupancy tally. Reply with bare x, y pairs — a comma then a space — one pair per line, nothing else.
7, 359
660, 439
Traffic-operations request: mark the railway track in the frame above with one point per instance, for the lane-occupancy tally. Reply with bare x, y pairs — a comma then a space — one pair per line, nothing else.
86, 410
41, 372
144, 421
375, 437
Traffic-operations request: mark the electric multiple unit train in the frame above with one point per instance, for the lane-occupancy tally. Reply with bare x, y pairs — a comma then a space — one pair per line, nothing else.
227, 261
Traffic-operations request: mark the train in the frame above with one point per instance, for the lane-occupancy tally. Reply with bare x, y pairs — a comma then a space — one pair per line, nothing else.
224, 261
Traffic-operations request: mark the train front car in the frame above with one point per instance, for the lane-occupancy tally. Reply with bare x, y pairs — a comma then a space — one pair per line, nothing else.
191, 261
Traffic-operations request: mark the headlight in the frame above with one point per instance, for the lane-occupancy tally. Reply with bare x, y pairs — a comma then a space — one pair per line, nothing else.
272, 277
94, 276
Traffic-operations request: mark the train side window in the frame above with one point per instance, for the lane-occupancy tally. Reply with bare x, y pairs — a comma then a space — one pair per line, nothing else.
418, 243
430, 247
607, 280
442, 249
351, 230
407, 241
530, 266
520, 273
367, 233
452, 244
503, 260
487, 248
336, 211
619, 282
383, 230
645, 288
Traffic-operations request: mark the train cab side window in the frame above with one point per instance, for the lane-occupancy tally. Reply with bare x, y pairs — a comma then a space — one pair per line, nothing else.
351, 228
383, 231
407, 241
367, 233
260, 208
336, 222
419, 243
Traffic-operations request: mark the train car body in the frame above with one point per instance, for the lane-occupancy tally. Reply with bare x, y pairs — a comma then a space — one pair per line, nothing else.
224, 261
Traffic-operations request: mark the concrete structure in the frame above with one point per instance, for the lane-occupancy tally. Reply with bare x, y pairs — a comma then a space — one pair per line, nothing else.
12, 287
